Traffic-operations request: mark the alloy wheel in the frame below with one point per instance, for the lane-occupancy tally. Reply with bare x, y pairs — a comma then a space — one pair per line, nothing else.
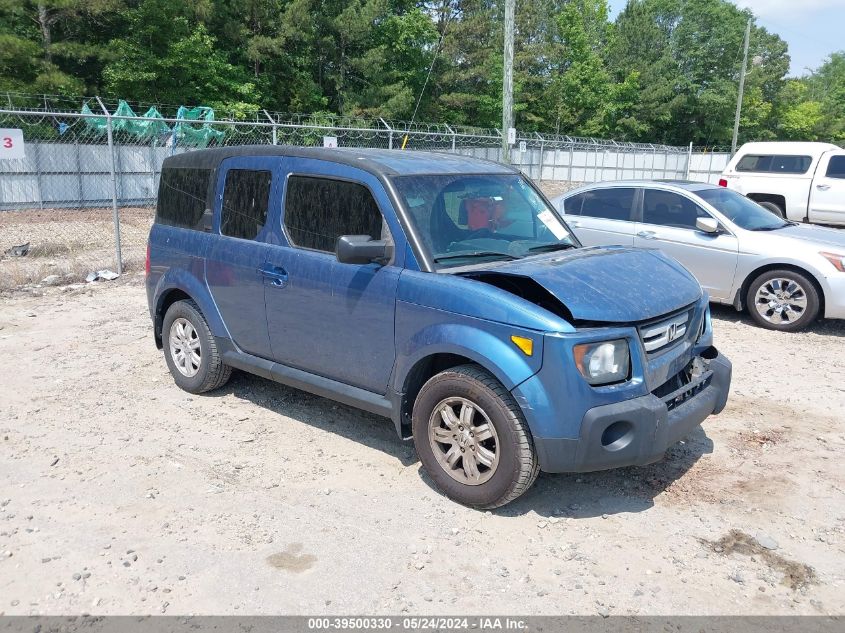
464, 441
781, 301
185, 347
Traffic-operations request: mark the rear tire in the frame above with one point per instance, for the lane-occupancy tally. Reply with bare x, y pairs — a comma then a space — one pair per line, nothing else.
774, 208
472, 438
189, 348
783, 300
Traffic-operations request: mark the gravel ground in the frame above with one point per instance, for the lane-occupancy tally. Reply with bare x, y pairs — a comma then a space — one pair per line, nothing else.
121, 494
70, 243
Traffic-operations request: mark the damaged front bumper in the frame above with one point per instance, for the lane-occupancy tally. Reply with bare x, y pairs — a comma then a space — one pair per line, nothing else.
639, 431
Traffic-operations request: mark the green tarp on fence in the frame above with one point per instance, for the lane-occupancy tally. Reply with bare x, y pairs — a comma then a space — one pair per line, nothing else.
193, 126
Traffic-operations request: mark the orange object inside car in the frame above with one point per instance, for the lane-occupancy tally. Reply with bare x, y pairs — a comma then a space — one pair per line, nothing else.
484, 213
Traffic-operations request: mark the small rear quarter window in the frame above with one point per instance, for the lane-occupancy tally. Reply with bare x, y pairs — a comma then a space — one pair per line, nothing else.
182, 197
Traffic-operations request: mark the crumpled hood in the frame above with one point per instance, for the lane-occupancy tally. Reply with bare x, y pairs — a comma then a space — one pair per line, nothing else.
611, 284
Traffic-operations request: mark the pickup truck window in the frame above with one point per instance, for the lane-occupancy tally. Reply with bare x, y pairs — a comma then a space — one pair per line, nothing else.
836, 167
182, 197
319, 210
774, 164
246, 198
467, 217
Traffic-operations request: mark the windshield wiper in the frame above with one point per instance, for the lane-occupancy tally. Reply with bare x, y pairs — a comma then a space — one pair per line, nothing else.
475, 254
773, 228
548, 248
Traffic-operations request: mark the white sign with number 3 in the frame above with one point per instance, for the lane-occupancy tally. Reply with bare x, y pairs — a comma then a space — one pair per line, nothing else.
11, 144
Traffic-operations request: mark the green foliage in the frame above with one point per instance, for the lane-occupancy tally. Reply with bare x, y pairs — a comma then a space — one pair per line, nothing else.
662, 71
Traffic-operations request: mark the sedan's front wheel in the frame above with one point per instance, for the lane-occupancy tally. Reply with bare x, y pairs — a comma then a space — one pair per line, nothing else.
783, 300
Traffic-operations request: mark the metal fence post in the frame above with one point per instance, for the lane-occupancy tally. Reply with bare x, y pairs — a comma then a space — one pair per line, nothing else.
454, 137
78, 173
275, 138
689, 159
542, 147
389, 133
115, 214
37, 148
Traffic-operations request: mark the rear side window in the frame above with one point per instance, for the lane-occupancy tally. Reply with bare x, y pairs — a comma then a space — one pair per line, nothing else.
665, 208
610, 204
836, 167
774, 163
246, 198
182, 197
319, 210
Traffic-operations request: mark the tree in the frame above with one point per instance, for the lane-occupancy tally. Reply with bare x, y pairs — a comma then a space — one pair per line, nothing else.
55, 46
170, 57
689, 68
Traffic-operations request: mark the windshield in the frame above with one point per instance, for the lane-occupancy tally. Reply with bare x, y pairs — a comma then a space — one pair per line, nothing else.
464, 219
743, 212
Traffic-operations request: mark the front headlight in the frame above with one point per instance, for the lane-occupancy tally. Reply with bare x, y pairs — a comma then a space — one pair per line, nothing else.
604, 362
838, 261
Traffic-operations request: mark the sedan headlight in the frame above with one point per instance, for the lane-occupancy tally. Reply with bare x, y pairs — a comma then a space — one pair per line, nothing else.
838, 261
604, 362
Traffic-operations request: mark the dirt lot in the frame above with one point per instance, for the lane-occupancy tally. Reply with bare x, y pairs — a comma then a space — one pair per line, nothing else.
121, 494
70, 243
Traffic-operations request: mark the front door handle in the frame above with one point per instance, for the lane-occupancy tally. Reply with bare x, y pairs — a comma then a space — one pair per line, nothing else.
647, 235
822, 187
575, 224
277, 275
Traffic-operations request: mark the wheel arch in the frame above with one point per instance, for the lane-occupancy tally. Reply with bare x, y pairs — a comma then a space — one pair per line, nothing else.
740, 301
426, 365
179, 287
774, 198
167, 299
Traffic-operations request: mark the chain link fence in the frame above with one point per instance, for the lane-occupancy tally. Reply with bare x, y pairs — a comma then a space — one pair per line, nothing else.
82, 197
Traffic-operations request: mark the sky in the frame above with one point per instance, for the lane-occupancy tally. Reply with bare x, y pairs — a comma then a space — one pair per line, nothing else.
812, 28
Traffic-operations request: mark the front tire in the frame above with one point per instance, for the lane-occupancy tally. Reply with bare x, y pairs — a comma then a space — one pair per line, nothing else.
189, 348
472, 438
783, 300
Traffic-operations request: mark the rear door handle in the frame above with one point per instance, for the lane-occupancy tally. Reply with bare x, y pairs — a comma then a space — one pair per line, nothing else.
822, 187
647, 235
277, 275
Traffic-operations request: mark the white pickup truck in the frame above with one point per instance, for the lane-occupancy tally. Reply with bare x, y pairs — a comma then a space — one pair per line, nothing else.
804, 182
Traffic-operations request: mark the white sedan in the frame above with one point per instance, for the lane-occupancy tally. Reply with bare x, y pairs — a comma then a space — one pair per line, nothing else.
786, 274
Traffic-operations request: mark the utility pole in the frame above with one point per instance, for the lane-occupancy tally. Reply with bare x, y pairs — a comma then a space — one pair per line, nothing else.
507, 83
741, 86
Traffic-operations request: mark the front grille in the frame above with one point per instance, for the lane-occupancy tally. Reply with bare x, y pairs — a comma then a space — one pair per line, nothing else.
661, 334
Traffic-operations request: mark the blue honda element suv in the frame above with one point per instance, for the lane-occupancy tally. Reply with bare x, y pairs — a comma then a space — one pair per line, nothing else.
440, 291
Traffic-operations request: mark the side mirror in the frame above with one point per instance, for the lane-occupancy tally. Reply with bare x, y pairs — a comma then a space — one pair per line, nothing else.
362, 249
707, 225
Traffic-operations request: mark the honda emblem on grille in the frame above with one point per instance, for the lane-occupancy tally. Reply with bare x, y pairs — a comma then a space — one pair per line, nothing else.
663, 333
672, 332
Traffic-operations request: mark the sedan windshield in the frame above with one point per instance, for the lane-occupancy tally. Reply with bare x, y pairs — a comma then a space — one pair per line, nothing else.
464, 219
745, 213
